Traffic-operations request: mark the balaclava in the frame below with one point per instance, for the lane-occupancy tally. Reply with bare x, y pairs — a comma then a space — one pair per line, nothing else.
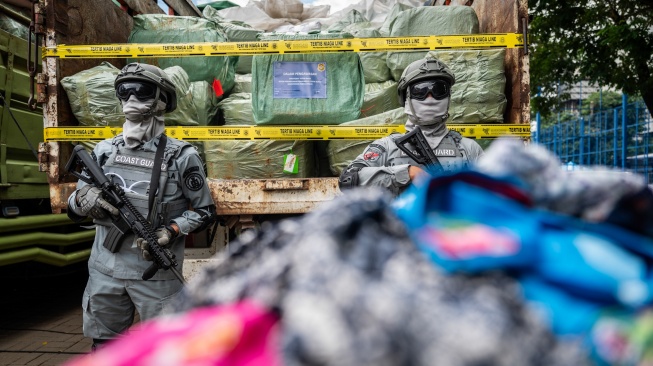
141, 123
430, 114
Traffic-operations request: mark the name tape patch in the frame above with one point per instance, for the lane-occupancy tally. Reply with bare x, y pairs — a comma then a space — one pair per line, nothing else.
137, 161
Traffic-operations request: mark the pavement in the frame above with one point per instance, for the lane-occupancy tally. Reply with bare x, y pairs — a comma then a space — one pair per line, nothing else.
41, 322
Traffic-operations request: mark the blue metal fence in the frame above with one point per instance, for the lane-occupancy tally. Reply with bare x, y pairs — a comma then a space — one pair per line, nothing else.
621, 137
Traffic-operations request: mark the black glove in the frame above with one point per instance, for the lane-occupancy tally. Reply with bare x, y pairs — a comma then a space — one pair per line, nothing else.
91, 203
165, 235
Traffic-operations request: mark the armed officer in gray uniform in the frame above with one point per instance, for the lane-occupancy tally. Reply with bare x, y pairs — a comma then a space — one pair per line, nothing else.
115, 288
425, 92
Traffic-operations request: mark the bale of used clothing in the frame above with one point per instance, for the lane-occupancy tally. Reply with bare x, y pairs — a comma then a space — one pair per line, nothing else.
243, 84
375, 67
236, 32
156, 28
379, 98
307, 89
205, 102
186, 113
245, 159
93, 100
13, 27
428, 21
92, 96
390, 17
342, 152
236, 110
478, 96
352, 17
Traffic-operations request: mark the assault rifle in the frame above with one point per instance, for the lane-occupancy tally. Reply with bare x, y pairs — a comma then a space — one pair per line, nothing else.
128, 218
423, 154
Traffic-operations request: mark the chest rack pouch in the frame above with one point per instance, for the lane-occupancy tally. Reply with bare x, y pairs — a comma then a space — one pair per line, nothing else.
128, 219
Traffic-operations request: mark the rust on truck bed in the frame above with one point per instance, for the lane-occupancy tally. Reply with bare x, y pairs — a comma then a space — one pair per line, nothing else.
507, 17
271, 196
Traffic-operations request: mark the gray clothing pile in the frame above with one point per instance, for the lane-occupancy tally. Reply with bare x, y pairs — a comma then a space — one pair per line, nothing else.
352, 289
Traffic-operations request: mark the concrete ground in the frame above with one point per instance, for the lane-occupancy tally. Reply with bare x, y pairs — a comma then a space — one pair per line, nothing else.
41, 321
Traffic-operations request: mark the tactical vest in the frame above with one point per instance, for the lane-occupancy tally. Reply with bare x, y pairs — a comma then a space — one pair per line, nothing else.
450, 152
132, 170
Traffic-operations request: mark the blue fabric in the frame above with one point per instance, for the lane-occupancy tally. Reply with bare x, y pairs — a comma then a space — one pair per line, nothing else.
468, 222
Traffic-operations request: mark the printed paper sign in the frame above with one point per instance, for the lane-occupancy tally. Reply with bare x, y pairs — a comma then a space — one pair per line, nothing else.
295, 80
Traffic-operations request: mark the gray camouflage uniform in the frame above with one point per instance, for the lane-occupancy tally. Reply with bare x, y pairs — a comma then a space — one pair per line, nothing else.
184, 182
383, 164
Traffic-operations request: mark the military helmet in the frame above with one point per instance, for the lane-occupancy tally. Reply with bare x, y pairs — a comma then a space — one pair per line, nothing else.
150, 74
427, 68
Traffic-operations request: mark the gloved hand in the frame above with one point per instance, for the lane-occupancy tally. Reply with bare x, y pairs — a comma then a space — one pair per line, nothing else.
164, 234
91, 203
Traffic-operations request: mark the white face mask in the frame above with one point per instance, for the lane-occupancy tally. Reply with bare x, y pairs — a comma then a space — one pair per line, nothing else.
429, 111
138, 127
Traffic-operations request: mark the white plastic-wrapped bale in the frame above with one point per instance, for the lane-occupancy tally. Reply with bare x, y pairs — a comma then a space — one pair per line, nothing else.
427, 21
307, 89
342, 152
379, 98
478, 96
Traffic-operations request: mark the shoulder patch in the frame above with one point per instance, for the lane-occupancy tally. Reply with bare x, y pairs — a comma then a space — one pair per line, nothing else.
194, 181
190, 170
373, 152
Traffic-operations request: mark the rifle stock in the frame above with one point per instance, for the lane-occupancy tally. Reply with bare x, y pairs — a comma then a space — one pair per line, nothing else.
129, 217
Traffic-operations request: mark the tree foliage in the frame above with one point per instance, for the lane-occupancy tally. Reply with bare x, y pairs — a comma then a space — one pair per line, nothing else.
608, 43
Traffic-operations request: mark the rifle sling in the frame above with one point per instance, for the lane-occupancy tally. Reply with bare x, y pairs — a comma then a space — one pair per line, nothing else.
156, 173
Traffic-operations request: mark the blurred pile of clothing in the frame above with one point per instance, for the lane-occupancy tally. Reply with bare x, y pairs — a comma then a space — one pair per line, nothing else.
514, 262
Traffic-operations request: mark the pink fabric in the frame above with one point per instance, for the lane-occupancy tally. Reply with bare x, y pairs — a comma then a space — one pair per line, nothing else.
239, 334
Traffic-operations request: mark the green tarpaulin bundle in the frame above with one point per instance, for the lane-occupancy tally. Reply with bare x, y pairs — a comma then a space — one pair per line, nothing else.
244, 159
426, 21
236, 32
156, 28
352, 17
243, 84
236, 109
217, 5
257, 159
93, 98
342, 152
379, 98
375, 67
307, 89
479, 93
253, 159
13, 27
205, 102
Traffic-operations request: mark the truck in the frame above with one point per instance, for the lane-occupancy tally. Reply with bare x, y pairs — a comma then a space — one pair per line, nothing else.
241, 203
29, 230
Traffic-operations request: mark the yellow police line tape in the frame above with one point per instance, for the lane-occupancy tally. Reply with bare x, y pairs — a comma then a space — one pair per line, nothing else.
478, 131
498, 40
